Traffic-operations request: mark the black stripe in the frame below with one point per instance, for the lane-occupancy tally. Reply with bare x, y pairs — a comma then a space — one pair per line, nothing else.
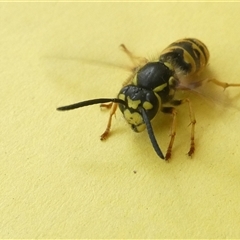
202, 46
188, 46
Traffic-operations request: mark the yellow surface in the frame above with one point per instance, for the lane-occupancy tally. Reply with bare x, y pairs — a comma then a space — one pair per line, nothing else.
58, 180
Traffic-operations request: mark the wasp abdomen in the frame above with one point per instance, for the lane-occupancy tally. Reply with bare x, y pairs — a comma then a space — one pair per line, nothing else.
187, 56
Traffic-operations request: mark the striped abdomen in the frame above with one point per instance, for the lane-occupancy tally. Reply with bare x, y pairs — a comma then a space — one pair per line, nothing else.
186, 56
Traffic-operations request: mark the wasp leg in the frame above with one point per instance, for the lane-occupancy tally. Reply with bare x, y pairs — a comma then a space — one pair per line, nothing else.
193, 122
173, 111
195, 84
112, 112
106, 105
223, 84
137, 61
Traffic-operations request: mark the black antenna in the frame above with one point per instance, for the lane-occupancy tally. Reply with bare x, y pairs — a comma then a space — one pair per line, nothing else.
90, 102
151, 134
117, 100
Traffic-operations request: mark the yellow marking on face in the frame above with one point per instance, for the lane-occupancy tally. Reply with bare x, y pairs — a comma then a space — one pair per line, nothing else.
133, 103
135, 119
140, 128
147, 105
160, 88
121, 96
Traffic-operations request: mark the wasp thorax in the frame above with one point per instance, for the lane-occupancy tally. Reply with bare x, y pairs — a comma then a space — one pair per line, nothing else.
136, 99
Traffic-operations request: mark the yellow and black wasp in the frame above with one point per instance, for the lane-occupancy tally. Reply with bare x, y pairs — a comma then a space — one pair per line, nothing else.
152, 86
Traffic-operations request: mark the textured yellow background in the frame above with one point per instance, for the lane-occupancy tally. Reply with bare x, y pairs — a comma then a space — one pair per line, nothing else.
58, 180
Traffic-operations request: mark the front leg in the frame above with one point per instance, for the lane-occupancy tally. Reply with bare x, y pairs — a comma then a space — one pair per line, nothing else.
193, 122
172, 111
112, 112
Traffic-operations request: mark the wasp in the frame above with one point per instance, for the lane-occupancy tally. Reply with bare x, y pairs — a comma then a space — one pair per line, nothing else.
151, 88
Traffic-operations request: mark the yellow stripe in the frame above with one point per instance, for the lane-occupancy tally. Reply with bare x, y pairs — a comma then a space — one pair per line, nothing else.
202, 60
160, 87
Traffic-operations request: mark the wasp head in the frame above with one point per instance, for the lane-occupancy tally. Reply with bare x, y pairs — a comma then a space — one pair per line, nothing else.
136, 99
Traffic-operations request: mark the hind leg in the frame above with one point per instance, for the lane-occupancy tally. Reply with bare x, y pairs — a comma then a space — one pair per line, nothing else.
223, 84
136, 60
192, 123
